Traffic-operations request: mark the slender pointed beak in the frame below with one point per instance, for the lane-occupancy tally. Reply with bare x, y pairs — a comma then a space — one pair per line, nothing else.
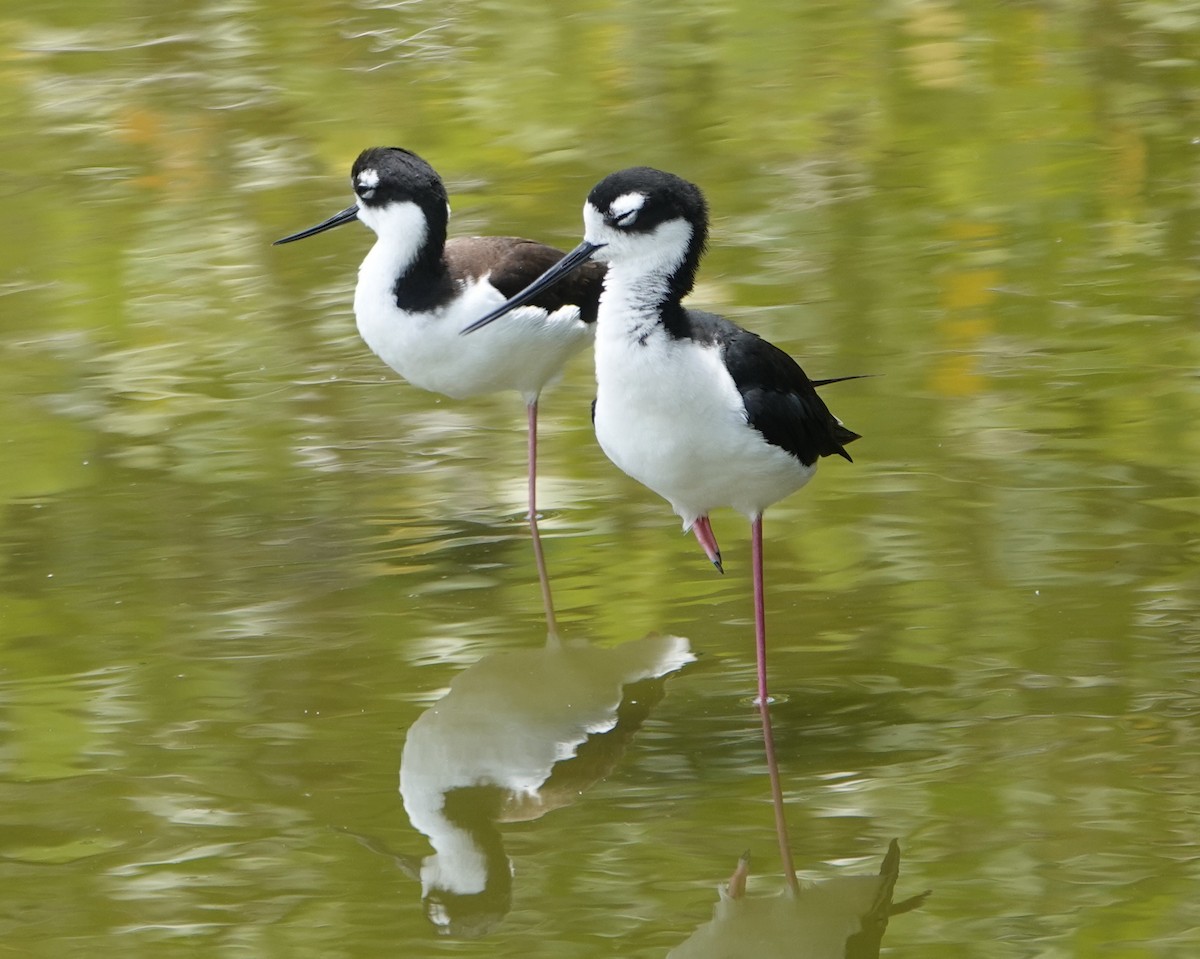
573, 260
348, 214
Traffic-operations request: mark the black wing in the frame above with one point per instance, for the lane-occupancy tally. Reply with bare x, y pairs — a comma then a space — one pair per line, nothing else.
511, 264
781, 401
867, 940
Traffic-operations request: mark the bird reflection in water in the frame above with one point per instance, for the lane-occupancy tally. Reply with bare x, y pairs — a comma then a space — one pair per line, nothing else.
841, 918
518, 734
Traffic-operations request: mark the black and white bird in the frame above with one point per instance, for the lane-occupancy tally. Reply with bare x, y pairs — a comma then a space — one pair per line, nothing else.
416, 290
701, 411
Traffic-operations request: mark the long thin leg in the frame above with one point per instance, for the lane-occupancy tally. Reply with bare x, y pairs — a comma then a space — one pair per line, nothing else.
708, 541
531, 417
764, 705
781, 830
760, 607
538, 556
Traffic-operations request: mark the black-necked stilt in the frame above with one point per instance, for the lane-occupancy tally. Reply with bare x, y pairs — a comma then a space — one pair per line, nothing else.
703, 412
416, 289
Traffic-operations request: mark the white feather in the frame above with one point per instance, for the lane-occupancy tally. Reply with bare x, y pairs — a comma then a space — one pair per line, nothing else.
524, 354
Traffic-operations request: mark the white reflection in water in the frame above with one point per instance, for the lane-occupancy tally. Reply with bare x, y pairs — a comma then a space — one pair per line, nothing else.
517, 735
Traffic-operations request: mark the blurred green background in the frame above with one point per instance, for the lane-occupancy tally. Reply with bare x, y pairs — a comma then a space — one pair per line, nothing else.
240, 557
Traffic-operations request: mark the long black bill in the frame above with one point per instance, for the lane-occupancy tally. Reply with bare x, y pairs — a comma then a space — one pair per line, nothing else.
576, 258
348, 214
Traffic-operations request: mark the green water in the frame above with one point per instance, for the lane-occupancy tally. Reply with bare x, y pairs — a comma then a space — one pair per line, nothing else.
239, 558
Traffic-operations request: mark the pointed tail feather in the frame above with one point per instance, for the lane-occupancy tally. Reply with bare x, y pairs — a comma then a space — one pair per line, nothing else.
842, 379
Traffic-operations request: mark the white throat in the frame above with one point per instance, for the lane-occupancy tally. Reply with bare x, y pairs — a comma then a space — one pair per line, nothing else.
640, 267
401, 230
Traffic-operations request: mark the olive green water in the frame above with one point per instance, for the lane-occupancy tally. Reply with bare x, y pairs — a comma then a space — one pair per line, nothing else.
239, 558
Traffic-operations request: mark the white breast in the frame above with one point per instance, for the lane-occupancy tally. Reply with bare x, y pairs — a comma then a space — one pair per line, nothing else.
523, 354
669, 415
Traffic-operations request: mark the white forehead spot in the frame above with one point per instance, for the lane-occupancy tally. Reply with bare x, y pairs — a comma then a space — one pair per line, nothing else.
626, 203
369, 179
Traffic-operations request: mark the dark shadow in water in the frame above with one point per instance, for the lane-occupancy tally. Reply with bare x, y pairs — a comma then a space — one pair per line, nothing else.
517, 735
842, 918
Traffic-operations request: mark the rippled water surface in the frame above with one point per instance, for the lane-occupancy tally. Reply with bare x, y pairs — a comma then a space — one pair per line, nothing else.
244, 569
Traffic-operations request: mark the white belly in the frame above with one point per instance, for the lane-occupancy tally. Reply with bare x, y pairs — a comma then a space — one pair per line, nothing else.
669, 415
523, 353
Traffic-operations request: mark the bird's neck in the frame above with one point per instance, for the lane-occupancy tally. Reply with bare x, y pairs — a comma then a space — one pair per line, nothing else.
634, 304
413, 274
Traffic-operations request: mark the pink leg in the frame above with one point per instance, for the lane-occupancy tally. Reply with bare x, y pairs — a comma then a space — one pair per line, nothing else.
531, 416
781, 830
538, 556
760, 608
708, 542
736, 887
